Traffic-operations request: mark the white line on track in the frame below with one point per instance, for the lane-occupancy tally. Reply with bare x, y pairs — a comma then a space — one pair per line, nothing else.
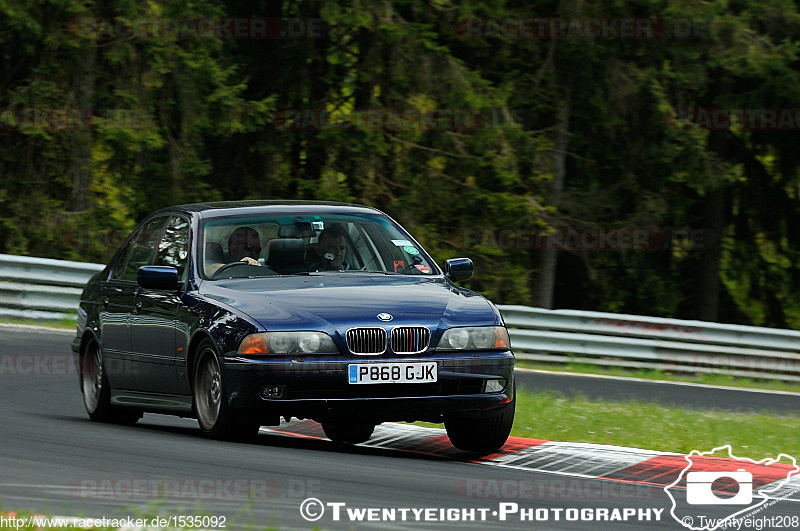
663, 382
23, 327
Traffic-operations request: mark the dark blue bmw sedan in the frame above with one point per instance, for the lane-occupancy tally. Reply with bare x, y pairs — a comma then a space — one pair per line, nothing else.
243, 313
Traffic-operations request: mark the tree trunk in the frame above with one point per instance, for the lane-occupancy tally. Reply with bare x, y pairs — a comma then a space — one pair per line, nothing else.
362, 97
708, 278
548, 257
316, 152
80, 165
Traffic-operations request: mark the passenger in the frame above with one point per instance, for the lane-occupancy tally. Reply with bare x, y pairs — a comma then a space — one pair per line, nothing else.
244, 245
332, 250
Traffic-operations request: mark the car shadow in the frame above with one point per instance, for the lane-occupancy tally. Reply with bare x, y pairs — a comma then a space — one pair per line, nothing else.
436, 451
436, 448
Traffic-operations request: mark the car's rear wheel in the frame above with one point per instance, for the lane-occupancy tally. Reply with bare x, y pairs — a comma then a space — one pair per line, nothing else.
96, 391
347, 432
481, 434
210, 400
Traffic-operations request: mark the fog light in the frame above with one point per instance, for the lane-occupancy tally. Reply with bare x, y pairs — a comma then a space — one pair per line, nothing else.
494, 386
273, 391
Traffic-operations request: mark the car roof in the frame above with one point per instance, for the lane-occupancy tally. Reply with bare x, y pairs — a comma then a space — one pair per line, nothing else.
227, 208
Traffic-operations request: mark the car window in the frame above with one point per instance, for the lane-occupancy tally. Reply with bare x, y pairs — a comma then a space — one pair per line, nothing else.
122, 258
360, 247
173, 249
140, 250
220, 240
286, 244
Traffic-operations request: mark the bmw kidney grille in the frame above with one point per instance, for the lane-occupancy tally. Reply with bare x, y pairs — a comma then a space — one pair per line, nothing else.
366, 340
410, 339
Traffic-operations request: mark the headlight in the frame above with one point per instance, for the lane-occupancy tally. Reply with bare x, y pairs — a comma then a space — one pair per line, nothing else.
287, 343
475, 337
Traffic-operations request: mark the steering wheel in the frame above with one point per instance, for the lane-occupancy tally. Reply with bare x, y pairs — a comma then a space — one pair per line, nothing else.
225, 267
412, 267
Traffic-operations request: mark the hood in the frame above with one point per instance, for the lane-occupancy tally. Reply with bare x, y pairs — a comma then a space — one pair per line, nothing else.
336, 301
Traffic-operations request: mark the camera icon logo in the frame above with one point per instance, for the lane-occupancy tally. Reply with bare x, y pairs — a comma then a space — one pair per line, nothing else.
699, 488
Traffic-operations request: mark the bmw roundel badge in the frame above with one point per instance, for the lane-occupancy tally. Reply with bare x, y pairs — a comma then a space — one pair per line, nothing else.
385, 316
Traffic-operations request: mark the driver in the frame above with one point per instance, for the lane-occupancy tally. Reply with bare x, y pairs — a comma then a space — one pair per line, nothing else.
244, 245
332, 249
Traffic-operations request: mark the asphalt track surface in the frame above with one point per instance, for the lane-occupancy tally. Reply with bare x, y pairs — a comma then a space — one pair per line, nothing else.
54, 460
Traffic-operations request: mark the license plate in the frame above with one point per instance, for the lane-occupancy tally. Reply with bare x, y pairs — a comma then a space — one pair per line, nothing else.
378, 373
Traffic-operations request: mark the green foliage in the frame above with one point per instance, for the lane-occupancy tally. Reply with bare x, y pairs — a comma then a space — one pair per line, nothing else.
452, 135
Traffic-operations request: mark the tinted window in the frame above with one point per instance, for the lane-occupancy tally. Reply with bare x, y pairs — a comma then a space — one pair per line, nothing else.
122, 259
173, 249
285, 244
140, 249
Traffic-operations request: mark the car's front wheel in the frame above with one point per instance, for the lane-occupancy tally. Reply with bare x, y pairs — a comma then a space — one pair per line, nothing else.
481, 434
210, 400
347, 432
96, 391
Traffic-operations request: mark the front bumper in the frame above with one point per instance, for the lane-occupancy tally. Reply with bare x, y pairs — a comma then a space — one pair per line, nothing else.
319, 389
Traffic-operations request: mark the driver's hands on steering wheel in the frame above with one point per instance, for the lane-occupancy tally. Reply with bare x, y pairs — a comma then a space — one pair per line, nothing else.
251, 261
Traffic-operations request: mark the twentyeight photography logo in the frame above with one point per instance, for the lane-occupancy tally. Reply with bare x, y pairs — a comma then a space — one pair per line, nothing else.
724, 481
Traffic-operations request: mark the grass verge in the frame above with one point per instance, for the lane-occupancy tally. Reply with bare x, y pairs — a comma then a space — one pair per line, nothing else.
51, 323
654, 426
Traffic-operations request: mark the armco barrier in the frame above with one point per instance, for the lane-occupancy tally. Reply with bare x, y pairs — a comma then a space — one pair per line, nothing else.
634, 341
40, 288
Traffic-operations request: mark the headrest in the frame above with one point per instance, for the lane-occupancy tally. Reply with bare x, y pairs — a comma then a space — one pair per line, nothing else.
286, 255
214, 253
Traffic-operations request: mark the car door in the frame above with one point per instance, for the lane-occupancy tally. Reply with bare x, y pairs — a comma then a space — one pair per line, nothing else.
157, 352
117, 299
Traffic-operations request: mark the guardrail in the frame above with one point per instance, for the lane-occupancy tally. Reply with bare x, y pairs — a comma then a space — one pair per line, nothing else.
634, 341
41, 288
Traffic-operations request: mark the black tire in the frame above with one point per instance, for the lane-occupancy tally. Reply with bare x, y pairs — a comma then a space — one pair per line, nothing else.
347, 432
482, 435
210, 400
96, 391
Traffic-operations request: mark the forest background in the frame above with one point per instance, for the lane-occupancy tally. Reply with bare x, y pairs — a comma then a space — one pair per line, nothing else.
628, 156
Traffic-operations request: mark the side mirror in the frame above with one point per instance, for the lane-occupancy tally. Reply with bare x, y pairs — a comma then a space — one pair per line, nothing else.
158, 277
458, 269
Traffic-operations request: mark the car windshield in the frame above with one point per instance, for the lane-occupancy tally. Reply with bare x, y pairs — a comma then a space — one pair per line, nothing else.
286, 244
